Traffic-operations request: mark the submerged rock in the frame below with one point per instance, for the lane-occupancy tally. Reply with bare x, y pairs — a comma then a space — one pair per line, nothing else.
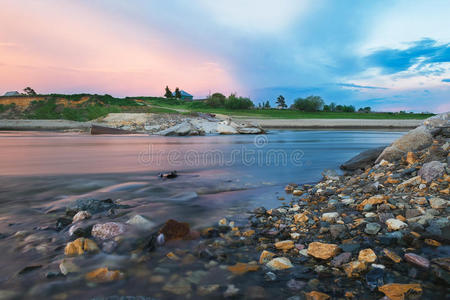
397, 291
141, 222
323, 250
79, 246
107, 230
102, 275
280, 263
173, 230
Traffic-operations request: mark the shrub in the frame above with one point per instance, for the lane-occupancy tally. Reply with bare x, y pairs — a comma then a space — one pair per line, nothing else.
216, 100
311, 103
234, 102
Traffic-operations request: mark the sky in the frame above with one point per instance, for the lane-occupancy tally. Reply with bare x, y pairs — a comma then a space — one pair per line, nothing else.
390, 55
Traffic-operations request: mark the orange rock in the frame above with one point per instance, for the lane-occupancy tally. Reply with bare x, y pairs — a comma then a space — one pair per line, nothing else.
79, 246
248, 233
265, 257
242, 268
415, 234
397, 291
367, 256
392, 255
172, 256
446, 191
401, 218
322, 250
297, 192
301, 218
354, 268
411, 158
314, 295
349, 295
432, 242
377, 199
392, 180
285, 245
103, 275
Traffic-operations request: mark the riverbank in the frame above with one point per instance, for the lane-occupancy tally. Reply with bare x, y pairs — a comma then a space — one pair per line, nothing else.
334, 123
55, 125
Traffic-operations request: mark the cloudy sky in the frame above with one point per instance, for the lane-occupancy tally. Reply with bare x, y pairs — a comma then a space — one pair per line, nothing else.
391, 55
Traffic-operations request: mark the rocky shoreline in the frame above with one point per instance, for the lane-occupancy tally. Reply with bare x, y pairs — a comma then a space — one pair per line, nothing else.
381, 231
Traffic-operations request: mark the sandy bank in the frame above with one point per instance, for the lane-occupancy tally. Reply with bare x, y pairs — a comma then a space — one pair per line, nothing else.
334, 123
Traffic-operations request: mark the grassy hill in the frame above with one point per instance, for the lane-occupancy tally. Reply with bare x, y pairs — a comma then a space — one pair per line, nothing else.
84, 107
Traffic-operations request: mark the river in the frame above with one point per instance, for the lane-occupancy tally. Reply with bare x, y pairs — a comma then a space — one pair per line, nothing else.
218, 176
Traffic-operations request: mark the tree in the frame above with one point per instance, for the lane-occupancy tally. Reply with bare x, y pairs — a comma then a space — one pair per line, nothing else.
216, 100
267, 104
29, 91
281, 102
311, 103
332, 106
177, 93
168, 93
326, 107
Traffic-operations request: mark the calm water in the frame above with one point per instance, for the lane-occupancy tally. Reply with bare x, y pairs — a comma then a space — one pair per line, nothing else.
219, 176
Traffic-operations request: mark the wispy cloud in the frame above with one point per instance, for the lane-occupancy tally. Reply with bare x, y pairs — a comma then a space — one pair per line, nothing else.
352, 85
421, 53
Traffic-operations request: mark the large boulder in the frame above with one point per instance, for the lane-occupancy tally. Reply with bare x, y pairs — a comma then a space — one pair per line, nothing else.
416, 139
363, 159
181, 129
431, 170
224, 128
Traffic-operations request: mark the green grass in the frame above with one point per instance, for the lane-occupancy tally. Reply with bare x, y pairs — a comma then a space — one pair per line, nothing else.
277, 113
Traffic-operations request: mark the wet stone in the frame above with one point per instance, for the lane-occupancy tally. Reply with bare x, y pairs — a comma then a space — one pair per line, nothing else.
417, 260
341, 259
372, 228
374, 278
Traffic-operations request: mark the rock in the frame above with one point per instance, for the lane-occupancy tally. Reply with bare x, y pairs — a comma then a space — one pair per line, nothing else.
80, 230
103, 275
107, 230
341, 259
270, 276
354, 268
411, 158
377, 199
336, 230
93, 206
284, 245
250, 130
255, 292
205, 290
330, 217
362, 160
279, 263
62, 223
372, 228
322, 250
367, 256
265, 257
141, 222
301, 218
81, 215
394, 224
67, 266
314, 295
392, 255
417, 260
374, 278
438, 203
231, 291
431, 170
397, 291
410, 182
242, 268
181, 129
415, 139
223, 128
79, 246
174, 230
179, 287
295, 285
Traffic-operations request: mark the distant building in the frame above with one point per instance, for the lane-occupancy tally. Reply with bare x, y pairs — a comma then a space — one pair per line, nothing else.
185, 96
13, 93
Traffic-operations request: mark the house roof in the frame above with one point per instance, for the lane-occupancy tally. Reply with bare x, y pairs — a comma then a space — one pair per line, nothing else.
184, 93
12, 93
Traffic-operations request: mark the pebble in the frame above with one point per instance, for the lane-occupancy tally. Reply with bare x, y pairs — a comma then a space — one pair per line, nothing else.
372, 228
284, 245
397, 291
394, 224
107, 230
141, 222
417, 260
367, 256
322, 250
81, 215
280, 263
103, 275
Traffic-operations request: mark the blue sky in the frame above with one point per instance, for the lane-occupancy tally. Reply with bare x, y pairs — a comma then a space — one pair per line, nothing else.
391, 55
